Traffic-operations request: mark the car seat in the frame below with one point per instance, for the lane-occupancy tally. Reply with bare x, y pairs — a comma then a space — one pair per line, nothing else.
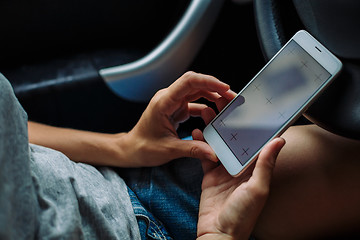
336, 24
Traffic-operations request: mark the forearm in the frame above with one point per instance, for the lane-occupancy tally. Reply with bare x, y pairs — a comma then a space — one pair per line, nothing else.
82, 146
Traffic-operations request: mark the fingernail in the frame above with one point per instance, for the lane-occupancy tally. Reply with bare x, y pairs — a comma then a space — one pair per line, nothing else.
212, 157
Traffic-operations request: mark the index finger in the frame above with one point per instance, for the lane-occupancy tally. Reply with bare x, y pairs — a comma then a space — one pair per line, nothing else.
191, 81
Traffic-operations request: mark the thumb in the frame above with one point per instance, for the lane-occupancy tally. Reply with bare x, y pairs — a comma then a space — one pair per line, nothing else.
266, 161
196, 149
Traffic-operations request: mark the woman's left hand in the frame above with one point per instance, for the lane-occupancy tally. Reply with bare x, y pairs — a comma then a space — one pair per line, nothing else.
154, 140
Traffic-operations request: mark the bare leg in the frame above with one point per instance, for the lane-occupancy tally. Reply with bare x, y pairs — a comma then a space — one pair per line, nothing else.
316, 187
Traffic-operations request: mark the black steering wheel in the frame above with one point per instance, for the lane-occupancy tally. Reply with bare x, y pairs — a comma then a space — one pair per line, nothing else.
336, 24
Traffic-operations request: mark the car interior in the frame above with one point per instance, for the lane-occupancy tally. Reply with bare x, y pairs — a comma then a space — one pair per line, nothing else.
59, 55
94, 65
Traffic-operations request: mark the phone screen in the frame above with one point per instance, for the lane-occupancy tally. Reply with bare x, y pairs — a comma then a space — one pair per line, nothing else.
269, 101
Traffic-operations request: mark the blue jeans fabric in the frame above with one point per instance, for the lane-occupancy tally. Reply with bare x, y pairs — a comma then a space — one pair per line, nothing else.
166, 198
149, 226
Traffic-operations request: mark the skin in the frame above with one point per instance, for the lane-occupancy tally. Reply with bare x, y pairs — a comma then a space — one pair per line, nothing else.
229, 207
314, 188
315, 192
154, 141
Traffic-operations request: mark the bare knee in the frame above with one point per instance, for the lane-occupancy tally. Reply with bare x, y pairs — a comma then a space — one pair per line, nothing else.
315, 189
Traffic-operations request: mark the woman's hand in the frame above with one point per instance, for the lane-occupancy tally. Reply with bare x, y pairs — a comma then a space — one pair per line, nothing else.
230, 206
154, 141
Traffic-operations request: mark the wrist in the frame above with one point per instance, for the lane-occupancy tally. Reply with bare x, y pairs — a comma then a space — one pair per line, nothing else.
128, 150
215, 236
113, 150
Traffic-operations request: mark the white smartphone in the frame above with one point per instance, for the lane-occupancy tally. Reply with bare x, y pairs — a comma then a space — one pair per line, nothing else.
271, 101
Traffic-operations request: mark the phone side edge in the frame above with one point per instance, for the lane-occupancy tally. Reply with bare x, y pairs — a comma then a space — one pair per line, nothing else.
222, 151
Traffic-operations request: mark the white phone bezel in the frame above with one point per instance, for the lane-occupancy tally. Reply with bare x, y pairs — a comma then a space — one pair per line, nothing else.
321, 55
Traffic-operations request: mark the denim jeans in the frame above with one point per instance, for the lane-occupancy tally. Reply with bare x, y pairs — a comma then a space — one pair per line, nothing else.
166, 198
